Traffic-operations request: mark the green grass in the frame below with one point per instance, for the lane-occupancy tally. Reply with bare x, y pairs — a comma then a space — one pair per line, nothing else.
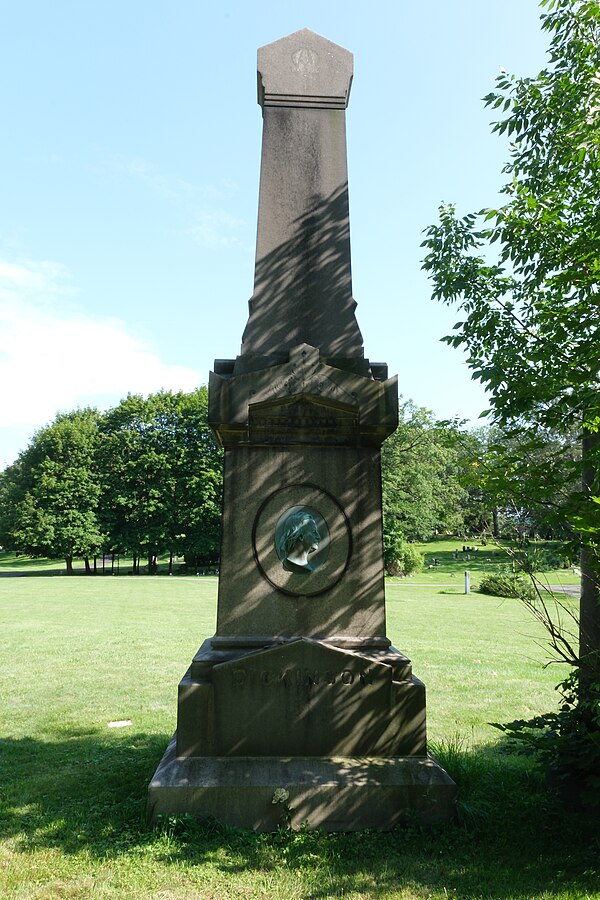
489, 557
78, 653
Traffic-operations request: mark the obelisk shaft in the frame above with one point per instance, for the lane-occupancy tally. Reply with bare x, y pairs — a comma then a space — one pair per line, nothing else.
303, 285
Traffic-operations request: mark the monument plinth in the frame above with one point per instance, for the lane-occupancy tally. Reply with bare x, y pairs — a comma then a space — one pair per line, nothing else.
299, 690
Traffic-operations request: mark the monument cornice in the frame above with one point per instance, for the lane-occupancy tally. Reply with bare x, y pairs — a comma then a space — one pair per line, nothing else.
356, 410
304, 69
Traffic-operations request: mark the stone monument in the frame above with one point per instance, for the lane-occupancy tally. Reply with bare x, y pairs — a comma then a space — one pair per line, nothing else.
299, 697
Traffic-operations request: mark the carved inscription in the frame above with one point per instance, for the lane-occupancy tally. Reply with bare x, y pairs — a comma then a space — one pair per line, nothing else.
302, 422
299, 677
301, 698
305, 61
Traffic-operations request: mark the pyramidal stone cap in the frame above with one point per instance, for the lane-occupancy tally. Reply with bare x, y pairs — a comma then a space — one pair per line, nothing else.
305, 70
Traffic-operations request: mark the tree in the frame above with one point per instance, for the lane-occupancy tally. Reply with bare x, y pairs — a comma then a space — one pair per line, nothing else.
201, 510
162, 478
134, 466
49, 496
196, 478
526, 275
143, 478
521, 483
421, 466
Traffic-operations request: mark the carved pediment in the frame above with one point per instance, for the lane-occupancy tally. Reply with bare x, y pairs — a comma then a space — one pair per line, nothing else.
304, 69
301, 401
302, 697
302, 419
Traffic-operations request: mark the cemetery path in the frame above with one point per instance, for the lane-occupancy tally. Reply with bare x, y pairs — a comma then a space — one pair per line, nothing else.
571, 589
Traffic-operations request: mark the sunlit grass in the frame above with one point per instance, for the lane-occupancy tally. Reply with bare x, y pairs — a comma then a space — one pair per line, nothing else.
445, 561
78, 653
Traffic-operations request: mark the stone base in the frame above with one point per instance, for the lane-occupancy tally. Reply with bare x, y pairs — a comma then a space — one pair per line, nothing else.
335, 794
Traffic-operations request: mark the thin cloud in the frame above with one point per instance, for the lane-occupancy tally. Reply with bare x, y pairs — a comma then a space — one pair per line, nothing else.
53, 359
216, 229
224, 187
165, 184
29, 277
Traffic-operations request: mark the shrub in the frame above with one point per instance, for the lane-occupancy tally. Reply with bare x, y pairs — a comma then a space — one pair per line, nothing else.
399, 557
411, 560
541, 559
393, 545
566, 743
506, 584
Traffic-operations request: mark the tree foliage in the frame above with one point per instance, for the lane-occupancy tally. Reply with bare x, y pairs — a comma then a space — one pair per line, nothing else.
526, 279
162, 491
49, 496
526, 275
531, 324
422, 465
523, 482
142, 479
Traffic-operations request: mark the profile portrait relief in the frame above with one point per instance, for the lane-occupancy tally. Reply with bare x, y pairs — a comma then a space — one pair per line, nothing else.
298, 538
301, 540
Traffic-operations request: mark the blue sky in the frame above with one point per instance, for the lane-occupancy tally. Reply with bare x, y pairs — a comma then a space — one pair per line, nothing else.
129, 184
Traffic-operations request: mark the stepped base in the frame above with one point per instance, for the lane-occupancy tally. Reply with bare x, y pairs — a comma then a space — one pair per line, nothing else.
335, 794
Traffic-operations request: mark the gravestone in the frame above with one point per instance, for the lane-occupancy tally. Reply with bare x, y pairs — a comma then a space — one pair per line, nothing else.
298, 707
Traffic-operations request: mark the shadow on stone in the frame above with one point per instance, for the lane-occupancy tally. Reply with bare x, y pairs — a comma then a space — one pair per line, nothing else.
299, 692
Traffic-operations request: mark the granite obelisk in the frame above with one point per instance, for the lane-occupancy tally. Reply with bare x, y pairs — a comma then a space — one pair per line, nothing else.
299, 694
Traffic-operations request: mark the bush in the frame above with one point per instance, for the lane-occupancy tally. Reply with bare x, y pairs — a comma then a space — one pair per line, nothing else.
408, 561
393, 545
411, 560
541, 559
506, 584
399, 557
566, 743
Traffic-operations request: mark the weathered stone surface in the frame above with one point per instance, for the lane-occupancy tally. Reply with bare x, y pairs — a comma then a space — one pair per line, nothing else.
336, 794
299, 690
256, 595
302, 282
302, 419
236, 400
304, 69
304, 696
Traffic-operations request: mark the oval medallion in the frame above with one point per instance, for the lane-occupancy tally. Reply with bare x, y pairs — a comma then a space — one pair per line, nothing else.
301, 539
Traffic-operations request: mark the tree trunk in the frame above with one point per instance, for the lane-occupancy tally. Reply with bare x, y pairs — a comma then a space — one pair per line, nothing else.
495, 526
88, 568
69, 562
171, 562
589, 606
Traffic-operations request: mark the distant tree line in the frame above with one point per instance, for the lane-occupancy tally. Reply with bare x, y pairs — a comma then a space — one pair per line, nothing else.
440, 477
144, 480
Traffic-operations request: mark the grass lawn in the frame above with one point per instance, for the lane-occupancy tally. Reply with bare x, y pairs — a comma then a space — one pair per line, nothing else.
81, 652
487, 557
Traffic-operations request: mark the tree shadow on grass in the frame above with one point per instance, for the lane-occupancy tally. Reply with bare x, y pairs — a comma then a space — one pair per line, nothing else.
86, 791
80, 790
41, 573
512, 839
